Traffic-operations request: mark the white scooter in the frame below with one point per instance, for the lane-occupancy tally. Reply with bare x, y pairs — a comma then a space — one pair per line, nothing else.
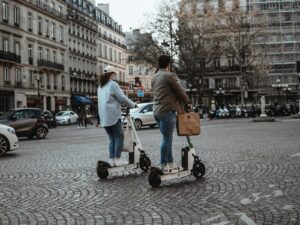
137, 157
191, 165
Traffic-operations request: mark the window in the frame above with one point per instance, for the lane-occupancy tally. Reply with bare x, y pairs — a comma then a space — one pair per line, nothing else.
130, 70
5, 45
60, 10
47, 54
4, 11
40, 52
62, 57
47, 28
63, 82
29, 21
48, 80
30, 53
61, 34
17, 16
18, 75
31, 77
54, 56
53, 31
6, 74
17, 48
40, 25
55, 81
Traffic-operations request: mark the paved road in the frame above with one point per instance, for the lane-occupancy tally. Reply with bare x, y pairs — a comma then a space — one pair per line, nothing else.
252, 178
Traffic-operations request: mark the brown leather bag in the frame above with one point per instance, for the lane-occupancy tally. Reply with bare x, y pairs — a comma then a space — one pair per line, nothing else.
188, 124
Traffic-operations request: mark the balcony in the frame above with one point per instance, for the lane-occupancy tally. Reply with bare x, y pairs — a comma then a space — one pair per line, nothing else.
46, 8
50, 65
9, 57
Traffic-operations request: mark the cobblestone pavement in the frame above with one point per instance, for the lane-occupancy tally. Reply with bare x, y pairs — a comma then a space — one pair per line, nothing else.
252, 178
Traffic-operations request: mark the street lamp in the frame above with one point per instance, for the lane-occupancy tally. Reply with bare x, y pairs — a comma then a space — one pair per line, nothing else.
299, 91
38, 80
220, 92
277, 86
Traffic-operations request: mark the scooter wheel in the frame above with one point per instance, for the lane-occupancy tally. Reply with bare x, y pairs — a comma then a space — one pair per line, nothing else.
145, 163
198, 169
154, 179
102, 172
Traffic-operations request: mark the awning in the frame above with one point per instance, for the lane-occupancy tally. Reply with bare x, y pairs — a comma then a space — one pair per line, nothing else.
82, 100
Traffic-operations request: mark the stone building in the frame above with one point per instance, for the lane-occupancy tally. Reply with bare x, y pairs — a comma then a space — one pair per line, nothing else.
139, 74
33, 50
82, 49
111, 48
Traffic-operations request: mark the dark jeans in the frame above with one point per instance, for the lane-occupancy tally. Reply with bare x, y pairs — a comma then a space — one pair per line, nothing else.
166, 123
116, 139
80, 121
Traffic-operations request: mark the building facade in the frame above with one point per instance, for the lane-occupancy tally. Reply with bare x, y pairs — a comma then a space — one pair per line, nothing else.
111, 48
51, 52
281, 41
139, 74
82, 49
32, 54
223, 79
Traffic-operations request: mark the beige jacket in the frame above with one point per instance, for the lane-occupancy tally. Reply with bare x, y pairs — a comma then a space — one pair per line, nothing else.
168, 94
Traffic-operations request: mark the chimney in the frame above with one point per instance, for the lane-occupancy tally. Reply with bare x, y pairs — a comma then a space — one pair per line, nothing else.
104, 7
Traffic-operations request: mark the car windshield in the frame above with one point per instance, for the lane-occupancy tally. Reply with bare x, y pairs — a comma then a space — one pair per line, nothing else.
63, 113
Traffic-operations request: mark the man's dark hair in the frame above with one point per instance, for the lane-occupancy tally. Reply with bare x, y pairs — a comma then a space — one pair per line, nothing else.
164, 61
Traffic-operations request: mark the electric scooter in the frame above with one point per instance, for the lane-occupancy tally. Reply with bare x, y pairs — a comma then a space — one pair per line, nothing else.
137, 157
191, 165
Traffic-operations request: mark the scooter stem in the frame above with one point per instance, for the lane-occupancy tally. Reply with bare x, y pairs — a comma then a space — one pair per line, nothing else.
189, 142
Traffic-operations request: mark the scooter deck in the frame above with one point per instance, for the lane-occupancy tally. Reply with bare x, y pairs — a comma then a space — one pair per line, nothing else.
122, 168
171, 176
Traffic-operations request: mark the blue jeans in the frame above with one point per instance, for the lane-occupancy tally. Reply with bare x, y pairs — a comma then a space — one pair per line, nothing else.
116, 139
166, 123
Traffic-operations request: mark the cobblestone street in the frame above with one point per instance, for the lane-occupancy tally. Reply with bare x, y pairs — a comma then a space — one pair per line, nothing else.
253, 177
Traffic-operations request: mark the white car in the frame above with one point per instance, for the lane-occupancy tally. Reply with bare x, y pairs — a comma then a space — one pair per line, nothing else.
8, 139
66, 117
143, 115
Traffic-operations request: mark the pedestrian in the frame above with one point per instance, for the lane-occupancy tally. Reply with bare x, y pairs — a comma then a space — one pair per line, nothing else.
169, 98
80, 117
110, 98
98, 119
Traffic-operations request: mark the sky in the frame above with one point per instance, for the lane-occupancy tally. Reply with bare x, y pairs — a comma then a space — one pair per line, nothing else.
130, 13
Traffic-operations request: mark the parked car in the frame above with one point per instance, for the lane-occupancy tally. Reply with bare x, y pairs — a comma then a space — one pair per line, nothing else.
66, 117
8, 139
27, 122
49, 119
143, 115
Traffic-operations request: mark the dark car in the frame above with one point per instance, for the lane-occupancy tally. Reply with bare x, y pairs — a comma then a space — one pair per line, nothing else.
49, 119
28, 122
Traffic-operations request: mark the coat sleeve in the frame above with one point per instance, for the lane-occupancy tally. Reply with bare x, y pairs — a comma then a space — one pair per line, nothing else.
173, 81
120, 96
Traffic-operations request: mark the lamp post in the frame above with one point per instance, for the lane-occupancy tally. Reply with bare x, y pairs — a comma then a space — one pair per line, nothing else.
277, 86
299, 91
38, 80
220, 92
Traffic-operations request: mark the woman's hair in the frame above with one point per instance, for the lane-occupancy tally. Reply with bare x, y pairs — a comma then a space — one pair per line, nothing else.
104, 78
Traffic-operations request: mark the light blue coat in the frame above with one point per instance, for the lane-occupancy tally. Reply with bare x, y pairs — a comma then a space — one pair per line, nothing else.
110, 98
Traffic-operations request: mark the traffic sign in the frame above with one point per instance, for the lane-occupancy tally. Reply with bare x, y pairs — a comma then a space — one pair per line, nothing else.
140, 93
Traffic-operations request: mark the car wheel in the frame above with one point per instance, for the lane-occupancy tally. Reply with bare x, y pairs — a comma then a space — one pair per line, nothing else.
41, 132
4, 146
138, 124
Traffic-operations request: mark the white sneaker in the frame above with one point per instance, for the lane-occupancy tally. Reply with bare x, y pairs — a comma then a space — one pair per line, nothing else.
112, 162
167, 169
120, 162
174, 166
